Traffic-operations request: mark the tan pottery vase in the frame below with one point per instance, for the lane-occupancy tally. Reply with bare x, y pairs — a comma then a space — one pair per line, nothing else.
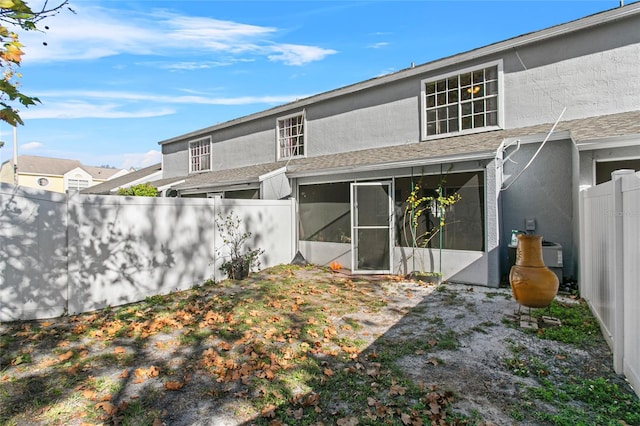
533, 284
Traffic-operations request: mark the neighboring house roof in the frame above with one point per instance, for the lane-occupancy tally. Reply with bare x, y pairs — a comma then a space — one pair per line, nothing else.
59, 166
457, 148
132, 178
485, 51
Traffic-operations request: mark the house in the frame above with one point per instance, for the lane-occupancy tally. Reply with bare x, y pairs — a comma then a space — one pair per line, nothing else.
150, 174
516, 128
55, 174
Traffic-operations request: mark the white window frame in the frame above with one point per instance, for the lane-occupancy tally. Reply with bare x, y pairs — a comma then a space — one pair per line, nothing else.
286, 150
499, 98
77, 184
205, 141
77, 179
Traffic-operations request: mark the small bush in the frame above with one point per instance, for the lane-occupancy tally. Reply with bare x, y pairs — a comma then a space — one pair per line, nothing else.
140, 190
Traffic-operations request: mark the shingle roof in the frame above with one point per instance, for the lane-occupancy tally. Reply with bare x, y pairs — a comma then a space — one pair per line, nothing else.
60, 166
581, 130
247, 174
106, 187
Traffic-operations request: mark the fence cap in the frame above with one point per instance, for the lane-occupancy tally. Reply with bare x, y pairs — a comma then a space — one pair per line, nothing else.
616, 174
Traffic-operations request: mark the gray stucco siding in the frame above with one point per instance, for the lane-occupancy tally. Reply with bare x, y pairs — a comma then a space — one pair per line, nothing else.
382, 125
175, 159
544, 192
255, 148
586, 71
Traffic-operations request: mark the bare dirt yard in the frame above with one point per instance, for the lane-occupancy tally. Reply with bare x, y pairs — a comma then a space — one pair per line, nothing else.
294, 345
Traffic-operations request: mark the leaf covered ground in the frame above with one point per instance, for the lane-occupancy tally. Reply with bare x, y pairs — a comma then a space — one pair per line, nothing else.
294, 345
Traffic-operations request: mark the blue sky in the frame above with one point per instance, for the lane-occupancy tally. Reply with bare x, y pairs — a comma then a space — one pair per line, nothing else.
118, 76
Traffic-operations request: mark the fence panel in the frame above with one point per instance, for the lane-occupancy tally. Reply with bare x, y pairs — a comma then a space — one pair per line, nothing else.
631, 224
33, 253
80, 253
609, 266
123, 249
596, 255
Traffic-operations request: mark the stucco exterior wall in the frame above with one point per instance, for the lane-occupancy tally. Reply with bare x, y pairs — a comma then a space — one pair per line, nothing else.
545, 193
56, 183
589, 84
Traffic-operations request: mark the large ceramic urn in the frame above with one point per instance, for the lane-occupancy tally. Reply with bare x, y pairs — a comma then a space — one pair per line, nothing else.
532, 283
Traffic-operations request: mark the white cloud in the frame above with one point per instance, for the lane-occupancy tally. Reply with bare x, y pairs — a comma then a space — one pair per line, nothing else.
97, 32
140, 160
82, 109
111, 104
31, 146
294, 54
379, 45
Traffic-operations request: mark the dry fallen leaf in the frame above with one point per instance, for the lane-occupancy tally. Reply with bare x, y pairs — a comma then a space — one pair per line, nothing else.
433, 361
396, 390
173, 385
65, 356
347, 421
269, 411
89, 394
108, 407
297, 414
406, 418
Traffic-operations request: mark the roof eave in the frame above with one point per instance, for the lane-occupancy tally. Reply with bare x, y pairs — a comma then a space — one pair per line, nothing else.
415, 162
492, 49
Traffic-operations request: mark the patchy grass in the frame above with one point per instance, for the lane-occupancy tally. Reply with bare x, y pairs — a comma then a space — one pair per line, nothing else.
577, 397
289, 345
280, 347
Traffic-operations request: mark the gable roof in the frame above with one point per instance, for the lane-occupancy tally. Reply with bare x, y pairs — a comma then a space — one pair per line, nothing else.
452, 149
229, 177
491, 49
34, 164
121, 181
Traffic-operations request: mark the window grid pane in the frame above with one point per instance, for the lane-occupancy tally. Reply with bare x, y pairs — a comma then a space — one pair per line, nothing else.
200, 153
291, 136
466, 101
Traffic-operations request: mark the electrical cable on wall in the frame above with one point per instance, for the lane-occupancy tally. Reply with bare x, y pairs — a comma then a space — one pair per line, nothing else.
537, 152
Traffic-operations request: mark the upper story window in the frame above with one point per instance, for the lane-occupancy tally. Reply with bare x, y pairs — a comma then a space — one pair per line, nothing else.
43, 181
200, 155
462, 103
291, 136
77, 184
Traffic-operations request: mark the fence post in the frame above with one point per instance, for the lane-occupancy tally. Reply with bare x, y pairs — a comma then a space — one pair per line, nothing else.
294, 227
618, 269
73, 252
582, 241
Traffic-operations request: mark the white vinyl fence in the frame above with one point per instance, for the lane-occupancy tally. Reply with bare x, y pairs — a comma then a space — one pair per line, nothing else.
70, 254
610, 266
